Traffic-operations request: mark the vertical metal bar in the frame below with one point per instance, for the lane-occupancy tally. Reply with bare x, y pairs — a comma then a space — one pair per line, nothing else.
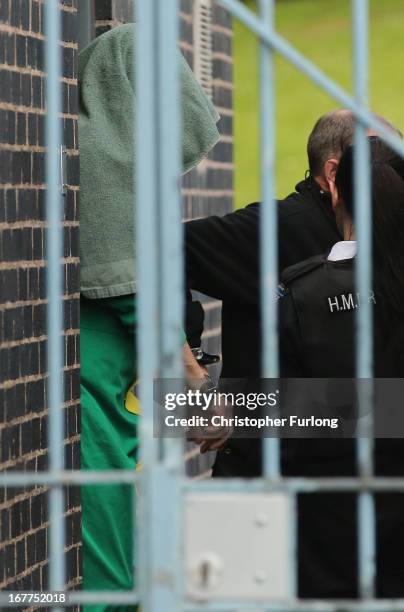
171, 293
146, 255
363, 207
364, 321
169, 215
160, 301
269, 247
169, 197
268, 229
54, 243
146, 226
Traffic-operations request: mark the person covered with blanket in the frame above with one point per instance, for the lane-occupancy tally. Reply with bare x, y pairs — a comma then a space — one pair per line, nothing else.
108, 290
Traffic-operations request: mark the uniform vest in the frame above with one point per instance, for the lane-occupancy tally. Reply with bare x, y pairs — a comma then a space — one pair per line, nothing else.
320, 304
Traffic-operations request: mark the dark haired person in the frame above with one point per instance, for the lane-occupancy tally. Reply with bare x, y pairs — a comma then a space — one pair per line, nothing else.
222, 260
318, 341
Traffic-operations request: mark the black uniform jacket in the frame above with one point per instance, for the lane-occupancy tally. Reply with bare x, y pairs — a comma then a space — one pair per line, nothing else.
317, 315
222, 261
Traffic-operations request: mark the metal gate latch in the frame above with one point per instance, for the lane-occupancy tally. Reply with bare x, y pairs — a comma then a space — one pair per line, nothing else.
236, 546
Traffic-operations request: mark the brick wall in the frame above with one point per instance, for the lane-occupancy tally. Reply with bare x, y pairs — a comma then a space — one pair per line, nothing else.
23, 409
110, 13
208, 189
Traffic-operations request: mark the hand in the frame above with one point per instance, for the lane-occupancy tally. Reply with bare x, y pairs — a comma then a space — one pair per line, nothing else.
214, 437
193, 371
211, 445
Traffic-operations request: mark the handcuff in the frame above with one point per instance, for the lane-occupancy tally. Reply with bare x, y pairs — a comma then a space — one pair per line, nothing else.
208, 386
204, 359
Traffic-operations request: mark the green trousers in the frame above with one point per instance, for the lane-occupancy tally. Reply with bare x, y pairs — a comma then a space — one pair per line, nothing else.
108, 442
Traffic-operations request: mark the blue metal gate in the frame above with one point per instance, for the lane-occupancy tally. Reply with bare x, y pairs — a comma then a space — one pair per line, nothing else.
165, 492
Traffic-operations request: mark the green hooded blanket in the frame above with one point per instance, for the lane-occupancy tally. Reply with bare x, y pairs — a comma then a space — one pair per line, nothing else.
107, 112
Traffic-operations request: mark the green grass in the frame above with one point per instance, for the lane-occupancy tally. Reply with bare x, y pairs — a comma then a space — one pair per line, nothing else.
321, 30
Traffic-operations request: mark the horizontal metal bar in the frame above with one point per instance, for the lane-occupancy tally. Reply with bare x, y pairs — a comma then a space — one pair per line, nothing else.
279, 44
217, 485
78, 598
351, 605
62, 478
132, 597
294, 485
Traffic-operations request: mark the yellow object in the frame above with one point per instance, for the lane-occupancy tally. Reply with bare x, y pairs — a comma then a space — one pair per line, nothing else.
132, 403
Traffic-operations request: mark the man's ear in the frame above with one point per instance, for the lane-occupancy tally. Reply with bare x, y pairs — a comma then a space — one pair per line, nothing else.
330, 170
327, 175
